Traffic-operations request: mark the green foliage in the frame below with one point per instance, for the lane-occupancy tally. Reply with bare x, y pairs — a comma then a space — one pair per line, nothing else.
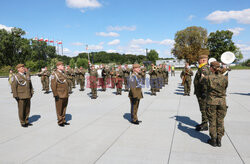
82, 62
220, 42
246, 63
72, 63
152, 56
5, 69
189, 42
31, 65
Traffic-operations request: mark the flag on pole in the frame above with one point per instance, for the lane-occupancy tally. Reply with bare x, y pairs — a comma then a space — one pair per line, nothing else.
86, 47
59, 42
51, 41
46, 40
41, 39
35, 38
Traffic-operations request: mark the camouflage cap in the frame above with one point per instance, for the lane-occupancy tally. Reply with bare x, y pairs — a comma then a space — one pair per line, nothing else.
215, 64
19, 66
59, 63
203, 53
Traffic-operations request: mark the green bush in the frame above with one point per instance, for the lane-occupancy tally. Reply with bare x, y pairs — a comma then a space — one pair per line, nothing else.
82, 62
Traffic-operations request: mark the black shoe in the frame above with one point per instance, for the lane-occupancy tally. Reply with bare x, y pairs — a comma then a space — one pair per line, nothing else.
135, 122
188, 94
93, 97
29, 124
212, 142
70, 92
66, 123
24, 125
61, 125
201, 128
139, 121
218, 142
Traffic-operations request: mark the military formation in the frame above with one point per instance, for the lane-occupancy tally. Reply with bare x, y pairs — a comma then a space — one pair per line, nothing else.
210, 84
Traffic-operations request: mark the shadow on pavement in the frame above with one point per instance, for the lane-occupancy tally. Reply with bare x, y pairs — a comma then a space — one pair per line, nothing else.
178, 93
147, 93
190, 131
68, 117
127, 116
34, 118
243, 94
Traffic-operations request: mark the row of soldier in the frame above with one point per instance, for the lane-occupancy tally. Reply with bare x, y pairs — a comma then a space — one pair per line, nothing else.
106, 76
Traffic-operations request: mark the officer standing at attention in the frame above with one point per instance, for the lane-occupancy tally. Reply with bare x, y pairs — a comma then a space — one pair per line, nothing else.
135, 93
22, 91
216, 103
199, 88
46, 75
186, 76
60, 89
153, 79
119, 80
93, 77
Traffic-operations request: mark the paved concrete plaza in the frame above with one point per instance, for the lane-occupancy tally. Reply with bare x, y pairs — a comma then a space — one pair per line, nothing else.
100, 132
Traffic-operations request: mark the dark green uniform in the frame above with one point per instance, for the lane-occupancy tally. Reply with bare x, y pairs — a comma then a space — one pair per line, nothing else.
186, 76
199, 91
216, 104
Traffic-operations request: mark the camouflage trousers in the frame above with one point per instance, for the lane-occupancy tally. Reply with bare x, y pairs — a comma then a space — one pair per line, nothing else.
216, 115
187, 85
202, 105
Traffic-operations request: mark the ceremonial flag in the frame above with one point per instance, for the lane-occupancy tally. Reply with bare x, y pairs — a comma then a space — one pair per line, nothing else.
46, 40
41, 39
51, 41
35, 38
59, 42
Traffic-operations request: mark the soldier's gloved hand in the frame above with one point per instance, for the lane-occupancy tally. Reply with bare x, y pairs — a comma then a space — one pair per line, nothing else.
203, 96
17, 98
56, 98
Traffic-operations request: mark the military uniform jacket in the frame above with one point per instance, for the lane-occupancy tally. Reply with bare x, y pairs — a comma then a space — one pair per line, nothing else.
21, 86
135, 87
187, 73
81, 73
126, 72
93, 75
104, 73
216, 89
153, 74
46, 73
59, 84
69, 74
113, 73
199, 84
119, 73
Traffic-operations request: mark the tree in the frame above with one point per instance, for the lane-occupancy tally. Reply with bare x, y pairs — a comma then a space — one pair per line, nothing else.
72, 63
189, 42
82, 62
220, 42
152, 56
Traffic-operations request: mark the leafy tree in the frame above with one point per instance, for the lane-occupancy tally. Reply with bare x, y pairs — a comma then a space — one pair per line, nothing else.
152, 56
82, 62
72, 63
189, 42
220, 42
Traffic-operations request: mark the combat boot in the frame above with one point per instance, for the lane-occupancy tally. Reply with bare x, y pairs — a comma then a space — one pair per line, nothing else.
212, 142
219, 142
202, 127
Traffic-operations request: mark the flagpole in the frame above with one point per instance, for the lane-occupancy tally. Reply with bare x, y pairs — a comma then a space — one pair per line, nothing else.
62, 49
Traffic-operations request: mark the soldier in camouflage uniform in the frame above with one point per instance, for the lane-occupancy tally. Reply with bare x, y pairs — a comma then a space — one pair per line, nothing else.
113, 77
186, 76
93, 77
216, 103
81, 74
46, 75
69, 79
104, 77
119, 80
199, 85
153, 79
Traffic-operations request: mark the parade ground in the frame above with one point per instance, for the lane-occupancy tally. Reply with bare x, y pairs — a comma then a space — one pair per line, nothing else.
100, 130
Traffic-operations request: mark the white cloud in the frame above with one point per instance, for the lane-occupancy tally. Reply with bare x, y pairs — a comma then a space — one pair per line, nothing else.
83, 3
167, 42
190, 17
132, 49
96, 47
77, 44
245, 49
242, 16
142, 41
5, 27
114, 42
236, 30
82, 11
121, 28
110, 34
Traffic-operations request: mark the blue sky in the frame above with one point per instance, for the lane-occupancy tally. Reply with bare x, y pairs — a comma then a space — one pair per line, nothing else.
128, 26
